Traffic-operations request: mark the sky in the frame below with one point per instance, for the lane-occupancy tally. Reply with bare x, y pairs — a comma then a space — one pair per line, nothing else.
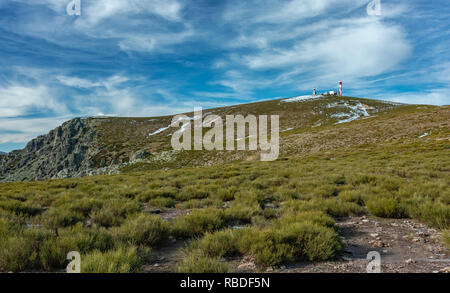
162, 57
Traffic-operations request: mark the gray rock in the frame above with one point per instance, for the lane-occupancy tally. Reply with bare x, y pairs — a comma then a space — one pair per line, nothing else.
140, 155
63, 152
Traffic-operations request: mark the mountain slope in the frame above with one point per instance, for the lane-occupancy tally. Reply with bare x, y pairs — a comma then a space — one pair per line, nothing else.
318, 208
88, 146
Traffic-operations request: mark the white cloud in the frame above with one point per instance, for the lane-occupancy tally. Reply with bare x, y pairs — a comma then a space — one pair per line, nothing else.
360, 48
108, 83
100, 10
153, 42
21, 130
18, 100
437, 97
135, 25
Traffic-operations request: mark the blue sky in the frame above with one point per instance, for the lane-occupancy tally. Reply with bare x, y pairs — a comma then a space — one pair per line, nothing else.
160, 57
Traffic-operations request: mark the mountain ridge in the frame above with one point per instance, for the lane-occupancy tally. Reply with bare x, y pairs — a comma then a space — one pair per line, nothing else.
110, 145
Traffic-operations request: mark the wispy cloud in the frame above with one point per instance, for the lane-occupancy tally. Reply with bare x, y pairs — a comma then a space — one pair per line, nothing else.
160, 57
18, 100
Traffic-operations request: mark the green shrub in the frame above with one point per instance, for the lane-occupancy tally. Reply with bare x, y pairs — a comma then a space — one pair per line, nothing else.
218, 244
297, 241
120, 260
19, 251
199, 222
147, 230
242, 212
193, 192
85, 206
53, 251
56, 218
226, 194
385, 207
314, 217
332, 206
197, 264
18, 207
446, 237
163, 202
166, 192
435, 214
114, 212
353, 196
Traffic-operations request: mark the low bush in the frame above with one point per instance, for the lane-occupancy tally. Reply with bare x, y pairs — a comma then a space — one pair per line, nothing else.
85, 206
314, 217
386, 207
19, 250
56, 218
196, 263
284, 244
120, 260
54, 250
226, 194
353, 196
242, 211
163, 202
18, 207
114, 212
193, 192
199, 222
166, 192
218, 244
147, 230
446, 237
332, 206
435, 214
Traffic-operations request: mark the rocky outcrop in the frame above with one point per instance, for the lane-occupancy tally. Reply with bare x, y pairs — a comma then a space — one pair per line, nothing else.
64, 152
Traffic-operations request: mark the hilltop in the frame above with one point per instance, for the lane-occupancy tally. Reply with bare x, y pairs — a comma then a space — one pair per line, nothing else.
109, 145
354, 175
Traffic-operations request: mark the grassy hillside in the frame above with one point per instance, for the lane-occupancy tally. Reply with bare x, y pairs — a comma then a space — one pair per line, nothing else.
393, 164
89, 146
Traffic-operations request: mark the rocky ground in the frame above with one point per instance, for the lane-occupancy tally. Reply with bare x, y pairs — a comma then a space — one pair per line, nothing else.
405, 246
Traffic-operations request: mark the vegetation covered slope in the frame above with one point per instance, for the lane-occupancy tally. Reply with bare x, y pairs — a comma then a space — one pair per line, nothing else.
395, 165
89, 146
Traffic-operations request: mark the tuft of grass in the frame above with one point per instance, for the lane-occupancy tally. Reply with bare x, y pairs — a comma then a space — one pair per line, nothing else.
386, 207
193, 192
353, 196
146, 230
218, 244
435, 214
114, 212
163, 202
284, 244
165, 192
446, 237
197, 264
56, 218
53, 251
199, 222
242, 211
19, 208
120, 260
288, 240
332, 206
314, 217
19, 250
